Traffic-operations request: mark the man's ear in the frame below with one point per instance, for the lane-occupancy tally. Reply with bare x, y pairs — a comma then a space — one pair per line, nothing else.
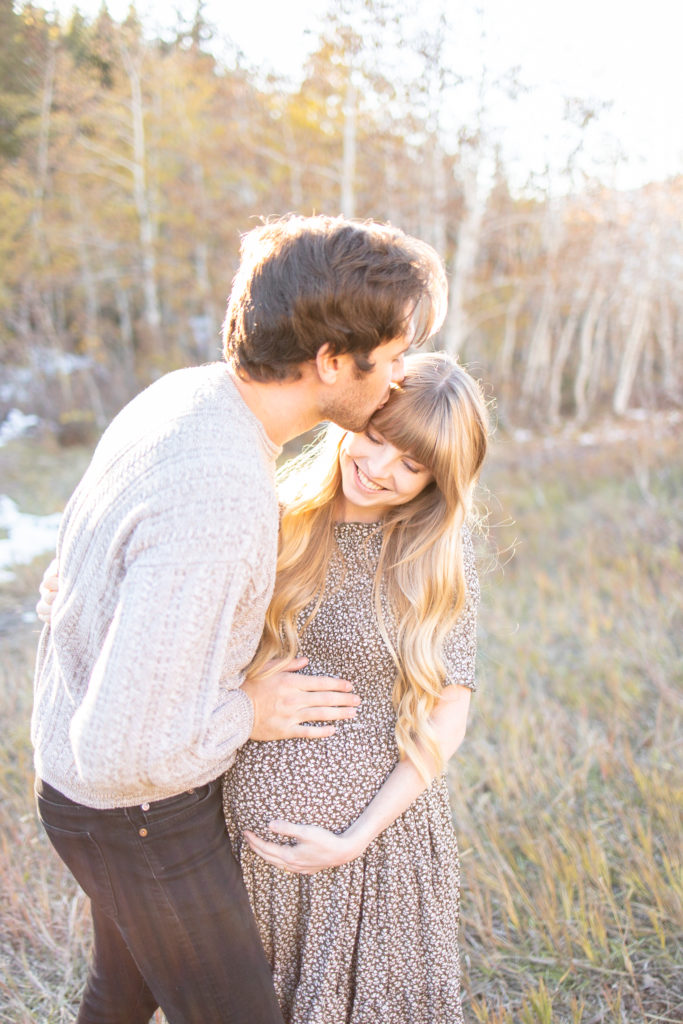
328, 364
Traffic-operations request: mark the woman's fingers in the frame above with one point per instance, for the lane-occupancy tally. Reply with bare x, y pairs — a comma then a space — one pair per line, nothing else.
44, 606
287, 828
273, 853
314, 849
49, 585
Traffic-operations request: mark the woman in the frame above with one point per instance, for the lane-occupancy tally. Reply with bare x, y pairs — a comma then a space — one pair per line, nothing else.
376, 583
346, 844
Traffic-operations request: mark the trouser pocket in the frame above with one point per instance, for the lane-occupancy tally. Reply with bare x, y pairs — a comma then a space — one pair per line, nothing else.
82, 855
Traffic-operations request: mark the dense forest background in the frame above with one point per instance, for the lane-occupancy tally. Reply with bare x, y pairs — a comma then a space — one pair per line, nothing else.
130, 164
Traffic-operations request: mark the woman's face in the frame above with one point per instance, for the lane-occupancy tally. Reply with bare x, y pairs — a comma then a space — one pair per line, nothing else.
376, 475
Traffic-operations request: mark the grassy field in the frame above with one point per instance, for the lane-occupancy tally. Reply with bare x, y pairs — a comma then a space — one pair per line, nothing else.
567, 793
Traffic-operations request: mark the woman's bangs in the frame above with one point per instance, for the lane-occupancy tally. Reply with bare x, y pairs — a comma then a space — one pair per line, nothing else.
410, 421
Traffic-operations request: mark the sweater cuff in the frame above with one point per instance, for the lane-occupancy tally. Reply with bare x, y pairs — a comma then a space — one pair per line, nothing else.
243, 716
231, 725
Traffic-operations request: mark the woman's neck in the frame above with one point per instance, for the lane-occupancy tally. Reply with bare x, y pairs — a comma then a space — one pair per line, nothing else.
347, 512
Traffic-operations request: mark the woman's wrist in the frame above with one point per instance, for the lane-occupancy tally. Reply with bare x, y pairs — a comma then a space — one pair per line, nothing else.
357, 838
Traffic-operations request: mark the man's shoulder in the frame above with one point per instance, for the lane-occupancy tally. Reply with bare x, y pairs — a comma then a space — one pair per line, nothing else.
190, 414
177, 394
187, 438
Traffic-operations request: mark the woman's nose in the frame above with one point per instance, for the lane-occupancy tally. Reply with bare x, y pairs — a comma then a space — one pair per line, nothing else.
378, 467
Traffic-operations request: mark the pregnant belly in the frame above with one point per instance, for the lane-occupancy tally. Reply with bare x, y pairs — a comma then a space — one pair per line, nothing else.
324, 782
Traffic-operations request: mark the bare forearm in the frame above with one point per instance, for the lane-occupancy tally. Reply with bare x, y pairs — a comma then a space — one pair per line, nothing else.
400, 790
405, 783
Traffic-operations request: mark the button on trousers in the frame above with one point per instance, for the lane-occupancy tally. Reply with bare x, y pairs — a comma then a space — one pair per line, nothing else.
171, 918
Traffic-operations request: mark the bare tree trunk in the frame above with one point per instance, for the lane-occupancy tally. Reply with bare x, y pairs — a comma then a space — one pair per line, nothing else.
507, 349
678, 338
43, 318
563, 348
125, 332
206, 338
91, 340
457, 326
586, 346
43, 151
665, 338
439, 193
348, 197
391, 184
90, 343
295, 172
201, 266
538, 354
631, 356
596, 385
646, 377
147, 232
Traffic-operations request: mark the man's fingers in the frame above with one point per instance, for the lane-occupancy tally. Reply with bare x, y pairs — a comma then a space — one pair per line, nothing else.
322, 713
329, 684
311, 732
316, 697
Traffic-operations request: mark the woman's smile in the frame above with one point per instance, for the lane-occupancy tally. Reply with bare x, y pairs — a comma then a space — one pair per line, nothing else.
364, 481
364, 497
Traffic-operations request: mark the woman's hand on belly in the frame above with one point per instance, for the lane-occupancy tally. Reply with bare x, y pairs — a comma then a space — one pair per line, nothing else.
316, 848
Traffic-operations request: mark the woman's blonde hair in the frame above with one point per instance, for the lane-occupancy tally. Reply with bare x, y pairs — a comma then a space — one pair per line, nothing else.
438, 415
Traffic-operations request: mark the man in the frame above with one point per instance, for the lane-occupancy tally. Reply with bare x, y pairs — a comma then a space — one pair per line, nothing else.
167, 556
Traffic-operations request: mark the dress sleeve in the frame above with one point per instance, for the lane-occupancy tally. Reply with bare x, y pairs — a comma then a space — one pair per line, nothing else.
460, 645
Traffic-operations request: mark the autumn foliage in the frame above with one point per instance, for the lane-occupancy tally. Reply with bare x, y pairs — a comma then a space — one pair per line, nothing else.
130, 164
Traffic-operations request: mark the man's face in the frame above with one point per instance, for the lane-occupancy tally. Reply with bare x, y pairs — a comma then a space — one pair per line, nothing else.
358, 394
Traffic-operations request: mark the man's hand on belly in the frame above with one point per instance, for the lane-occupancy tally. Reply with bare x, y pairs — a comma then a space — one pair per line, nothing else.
283, 700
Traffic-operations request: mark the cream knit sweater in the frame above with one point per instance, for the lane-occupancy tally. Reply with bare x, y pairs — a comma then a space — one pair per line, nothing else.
167, 555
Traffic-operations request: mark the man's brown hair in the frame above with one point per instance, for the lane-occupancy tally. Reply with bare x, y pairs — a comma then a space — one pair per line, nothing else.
304, 282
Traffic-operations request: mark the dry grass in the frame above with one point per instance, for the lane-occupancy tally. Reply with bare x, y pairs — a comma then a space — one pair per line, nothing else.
567, 793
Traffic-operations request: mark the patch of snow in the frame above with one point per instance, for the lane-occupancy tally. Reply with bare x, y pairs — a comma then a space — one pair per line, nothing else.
614, 434
16, 386
25, 384
52, 361
28, 536
15, 424
638, 414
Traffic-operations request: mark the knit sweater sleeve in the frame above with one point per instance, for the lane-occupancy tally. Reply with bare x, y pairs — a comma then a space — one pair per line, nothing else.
158, 706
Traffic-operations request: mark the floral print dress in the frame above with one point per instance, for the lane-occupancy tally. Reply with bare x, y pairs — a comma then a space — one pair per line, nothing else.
374, 941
